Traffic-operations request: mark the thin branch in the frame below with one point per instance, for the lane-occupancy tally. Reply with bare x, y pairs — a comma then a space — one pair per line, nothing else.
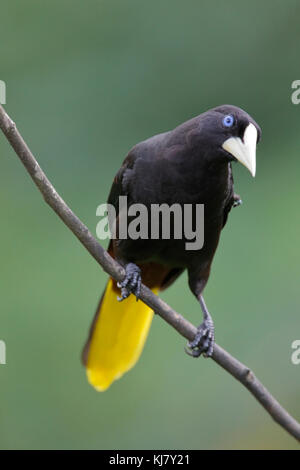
238, 370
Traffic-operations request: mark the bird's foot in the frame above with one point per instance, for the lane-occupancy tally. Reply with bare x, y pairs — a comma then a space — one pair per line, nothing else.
203, 343
237, 201
131, 283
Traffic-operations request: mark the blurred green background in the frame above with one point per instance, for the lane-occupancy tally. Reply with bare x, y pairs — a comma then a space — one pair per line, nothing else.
85, 82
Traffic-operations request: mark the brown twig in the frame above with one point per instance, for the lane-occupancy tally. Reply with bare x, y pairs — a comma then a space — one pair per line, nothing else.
238, 370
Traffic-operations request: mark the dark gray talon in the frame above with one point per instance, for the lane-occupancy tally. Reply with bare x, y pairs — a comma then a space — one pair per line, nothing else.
237, 203
203, 343
131, 283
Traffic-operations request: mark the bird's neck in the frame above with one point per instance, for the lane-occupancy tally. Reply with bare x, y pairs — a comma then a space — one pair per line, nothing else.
208, 180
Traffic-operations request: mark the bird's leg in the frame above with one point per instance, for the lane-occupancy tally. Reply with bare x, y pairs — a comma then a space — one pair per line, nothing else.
205, 336
237, 201
131, 283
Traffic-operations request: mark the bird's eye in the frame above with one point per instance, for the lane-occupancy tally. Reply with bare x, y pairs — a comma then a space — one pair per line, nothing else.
228, 120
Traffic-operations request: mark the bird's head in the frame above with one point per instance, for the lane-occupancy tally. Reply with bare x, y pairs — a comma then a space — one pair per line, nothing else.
230, 133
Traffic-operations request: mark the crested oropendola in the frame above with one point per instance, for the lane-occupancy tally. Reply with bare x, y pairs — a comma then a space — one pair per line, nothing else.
188, 165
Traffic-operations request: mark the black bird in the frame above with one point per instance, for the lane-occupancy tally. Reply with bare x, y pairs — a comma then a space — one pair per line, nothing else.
188, 165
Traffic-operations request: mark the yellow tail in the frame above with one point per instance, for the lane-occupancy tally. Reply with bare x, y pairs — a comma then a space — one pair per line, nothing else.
117, 339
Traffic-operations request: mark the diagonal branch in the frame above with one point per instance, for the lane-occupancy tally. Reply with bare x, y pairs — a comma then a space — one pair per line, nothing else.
238, 370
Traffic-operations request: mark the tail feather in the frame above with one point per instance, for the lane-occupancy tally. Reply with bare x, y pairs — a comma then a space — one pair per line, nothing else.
117, 337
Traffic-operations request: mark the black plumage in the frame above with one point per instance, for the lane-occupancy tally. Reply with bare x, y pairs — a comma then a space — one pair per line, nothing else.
188, 165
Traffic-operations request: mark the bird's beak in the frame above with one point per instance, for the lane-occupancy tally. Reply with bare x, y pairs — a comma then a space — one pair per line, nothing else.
244, 150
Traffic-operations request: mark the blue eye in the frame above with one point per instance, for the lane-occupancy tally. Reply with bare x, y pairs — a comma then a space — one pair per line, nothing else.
228, 120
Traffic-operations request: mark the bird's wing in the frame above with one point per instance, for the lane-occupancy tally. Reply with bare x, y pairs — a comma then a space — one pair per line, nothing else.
230, 197
118, 187
153, 274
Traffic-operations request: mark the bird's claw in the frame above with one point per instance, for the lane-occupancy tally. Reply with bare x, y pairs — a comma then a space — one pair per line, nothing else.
131, 283
237, 201
203, 343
